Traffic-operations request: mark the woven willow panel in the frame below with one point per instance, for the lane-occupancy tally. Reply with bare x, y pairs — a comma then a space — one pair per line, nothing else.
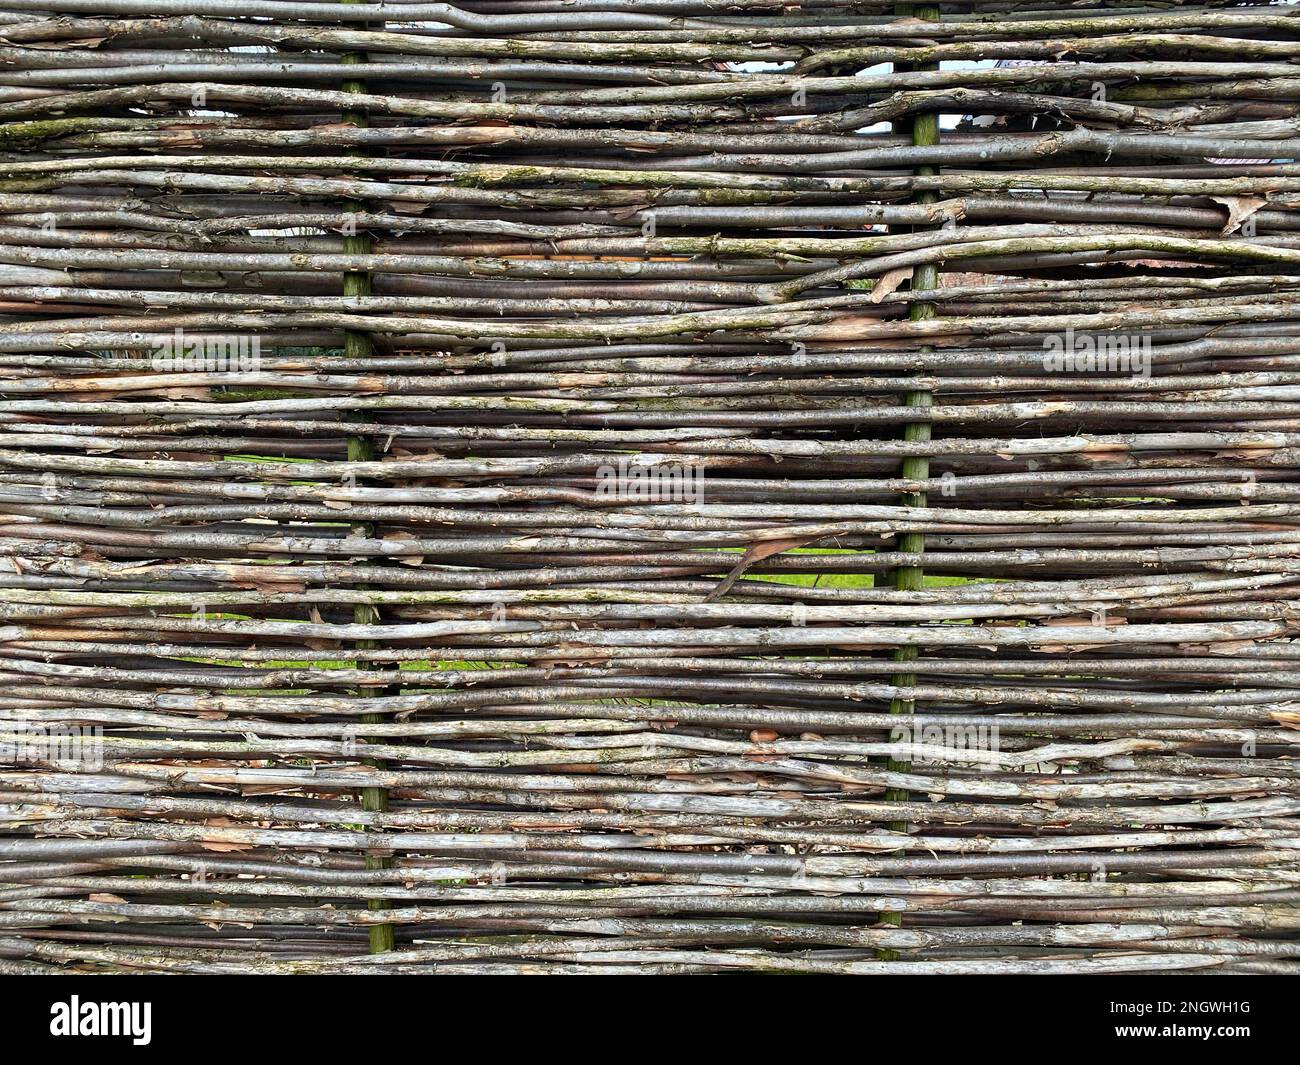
593, 486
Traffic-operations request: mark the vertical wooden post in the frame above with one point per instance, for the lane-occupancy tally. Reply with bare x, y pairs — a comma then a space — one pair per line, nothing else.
924, 131
358, 344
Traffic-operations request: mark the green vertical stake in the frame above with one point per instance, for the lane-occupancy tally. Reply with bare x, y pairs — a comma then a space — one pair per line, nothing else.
924, 131
360, 449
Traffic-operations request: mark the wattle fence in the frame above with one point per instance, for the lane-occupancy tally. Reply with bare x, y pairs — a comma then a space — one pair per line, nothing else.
673, 486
